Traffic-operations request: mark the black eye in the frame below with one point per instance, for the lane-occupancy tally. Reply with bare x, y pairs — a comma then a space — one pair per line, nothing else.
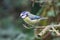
22, 15
27, 14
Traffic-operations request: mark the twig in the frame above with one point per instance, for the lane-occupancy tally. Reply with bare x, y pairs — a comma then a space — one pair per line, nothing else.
55, 31
48, 28
44, 31
33, 3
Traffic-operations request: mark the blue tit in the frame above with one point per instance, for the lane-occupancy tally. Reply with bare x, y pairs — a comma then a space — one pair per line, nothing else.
31, 19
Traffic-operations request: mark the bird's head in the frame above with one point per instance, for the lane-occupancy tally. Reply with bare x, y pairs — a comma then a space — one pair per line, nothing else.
24, 14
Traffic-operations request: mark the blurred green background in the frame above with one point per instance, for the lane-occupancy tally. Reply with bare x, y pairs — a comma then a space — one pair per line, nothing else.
11, 25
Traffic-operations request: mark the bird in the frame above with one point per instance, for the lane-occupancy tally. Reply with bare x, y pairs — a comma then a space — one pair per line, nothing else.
31, 19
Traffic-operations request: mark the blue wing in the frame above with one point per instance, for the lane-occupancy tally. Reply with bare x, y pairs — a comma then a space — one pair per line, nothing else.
34, 17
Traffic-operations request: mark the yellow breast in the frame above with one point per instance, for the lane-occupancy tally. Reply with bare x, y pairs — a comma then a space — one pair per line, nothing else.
30, 22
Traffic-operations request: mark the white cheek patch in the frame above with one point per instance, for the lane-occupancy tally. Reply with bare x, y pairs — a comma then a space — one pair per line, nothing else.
23, 16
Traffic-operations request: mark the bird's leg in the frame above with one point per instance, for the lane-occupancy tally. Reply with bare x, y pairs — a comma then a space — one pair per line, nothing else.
26, 26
